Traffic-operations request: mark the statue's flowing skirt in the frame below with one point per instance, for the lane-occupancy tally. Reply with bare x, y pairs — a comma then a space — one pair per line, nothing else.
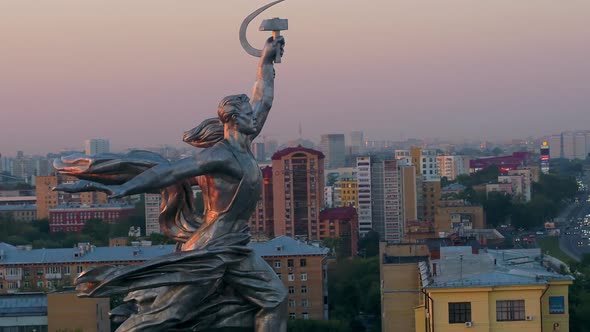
215, 287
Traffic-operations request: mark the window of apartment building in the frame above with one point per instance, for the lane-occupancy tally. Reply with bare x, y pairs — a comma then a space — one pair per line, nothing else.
277, 264
40, 284
304, 303
291, 303
303, 276
290, 263
291, 277
510, 310
291, 289
459, 312
52, 269
291, 315
279, 275
39, 271
305, 315
13, 271
304, 289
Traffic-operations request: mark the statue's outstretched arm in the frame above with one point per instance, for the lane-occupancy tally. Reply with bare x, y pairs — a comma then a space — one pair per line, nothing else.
164, 175
263, 92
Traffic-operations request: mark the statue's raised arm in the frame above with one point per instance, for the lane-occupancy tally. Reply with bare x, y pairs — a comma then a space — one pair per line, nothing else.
263, 92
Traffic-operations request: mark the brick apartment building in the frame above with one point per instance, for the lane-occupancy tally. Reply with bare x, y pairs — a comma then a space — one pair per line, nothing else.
301, 267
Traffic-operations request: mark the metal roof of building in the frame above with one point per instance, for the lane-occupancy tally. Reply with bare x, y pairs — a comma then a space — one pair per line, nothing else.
24, 207
23, 304
287, 246
453, 187
280, 246
6, 246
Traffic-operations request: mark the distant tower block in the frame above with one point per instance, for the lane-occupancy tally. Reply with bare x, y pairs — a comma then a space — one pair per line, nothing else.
95, 146
545, 157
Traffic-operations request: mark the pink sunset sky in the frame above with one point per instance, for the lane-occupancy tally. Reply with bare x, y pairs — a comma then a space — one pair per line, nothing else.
140, 72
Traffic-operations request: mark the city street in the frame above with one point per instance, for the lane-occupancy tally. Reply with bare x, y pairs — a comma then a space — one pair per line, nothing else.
575, 229
571, 241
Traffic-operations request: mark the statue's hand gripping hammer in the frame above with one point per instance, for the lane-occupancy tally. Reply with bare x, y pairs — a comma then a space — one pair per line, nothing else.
276, 25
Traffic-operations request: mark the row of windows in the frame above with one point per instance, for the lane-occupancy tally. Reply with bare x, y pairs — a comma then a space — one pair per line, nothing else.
293, 304
291, 276
291, 263
291, 289
304, 315
54, 269
506, 310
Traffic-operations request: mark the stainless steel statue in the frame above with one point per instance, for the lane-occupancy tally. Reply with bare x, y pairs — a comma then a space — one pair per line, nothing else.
213, 280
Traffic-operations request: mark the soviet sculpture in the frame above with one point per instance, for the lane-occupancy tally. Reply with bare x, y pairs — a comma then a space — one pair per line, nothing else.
213, 280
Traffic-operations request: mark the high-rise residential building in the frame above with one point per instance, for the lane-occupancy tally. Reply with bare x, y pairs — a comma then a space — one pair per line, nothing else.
357, 143
364, 207
152, 213
348, 191
545, 156
96, 145
387, 195
408, 193
570, 145
555, 146
5, 164
452, 166
262, 219
427, 182
333, 148
298, 192
393, 226
580, 149
258, 151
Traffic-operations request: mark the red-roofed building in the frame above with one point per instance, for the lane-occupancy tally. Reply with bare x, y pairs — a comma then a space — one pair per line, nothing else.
289, 151
341, 223
504, 163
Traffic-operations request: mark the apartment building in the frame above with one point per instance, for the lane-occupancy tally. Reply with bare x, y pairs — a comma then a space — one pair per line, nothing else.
301, 267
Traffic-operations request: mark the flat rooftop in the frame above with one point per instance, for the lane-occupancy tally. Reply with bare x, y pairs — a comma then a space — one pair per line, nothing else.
459, 267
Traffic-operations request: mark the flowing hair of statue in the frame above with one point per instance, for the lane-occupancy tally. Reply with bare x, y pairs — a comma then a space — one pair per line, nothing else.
210, 131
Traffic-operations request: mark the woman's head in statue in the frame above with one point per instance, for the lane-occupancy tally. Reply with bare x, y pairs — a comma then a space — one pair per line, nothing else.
236, 113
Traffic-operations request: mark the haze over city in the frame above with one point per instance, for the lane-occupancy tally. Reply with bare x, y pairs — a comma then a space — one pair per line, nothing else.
142, 72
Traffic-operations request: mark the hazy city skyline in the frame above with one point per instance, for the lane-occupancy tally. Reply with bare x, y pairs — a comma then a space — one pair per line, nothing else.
141, 72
